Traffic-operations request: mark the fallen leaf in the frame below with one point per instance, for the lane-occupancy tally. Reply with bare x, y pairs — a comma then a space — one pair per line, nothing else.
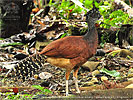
15, 90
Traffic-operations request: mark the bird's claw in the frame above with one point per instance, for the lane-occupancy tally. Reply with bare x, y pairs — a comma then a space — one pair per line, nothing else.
78, 91
67, 94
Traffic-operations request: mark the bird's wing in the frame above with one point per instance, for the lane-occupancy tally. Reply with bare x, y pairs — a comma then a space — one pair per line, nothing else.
69, 47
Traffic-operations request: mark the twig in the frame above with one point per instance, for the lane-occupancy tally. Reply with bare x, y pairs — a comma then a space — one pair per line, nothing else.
129, 61
102, 87
126, 7
6, 63
130, 2
63, 20
16, 87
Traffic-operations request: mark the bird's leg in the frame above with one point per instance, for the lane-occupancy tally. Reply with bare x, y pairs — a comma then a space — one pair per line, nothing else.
75, 79
67, 78
66, 87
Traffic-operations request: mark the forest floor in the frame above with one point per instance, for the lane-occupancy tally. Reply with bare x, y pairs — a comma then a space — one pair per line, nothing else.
112, 71
108, 74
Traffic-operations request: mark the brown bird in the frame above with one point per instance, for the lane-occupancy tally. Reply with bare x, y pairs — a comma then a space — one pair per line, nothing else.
73, 51
68, 52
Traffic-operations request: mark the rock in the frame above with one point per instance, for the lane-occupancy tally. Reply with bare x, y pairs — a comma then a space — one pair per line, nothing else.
100, 52
122, 53
45, 75
91, 82
129, 86
125, 53
90, 65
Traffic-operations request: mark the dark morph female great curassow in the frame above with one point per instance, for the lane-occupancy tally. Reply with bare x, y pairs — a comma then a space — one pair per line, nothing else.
68, 52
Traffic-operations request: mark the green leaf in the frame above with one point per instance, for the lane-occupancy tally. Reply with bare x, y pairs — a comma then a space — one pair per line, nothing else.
112, 73
114, 53
38, 87
47, 91
1, 39
43, 91
64, 35
106, 3
50, 2
88, 3
10, 44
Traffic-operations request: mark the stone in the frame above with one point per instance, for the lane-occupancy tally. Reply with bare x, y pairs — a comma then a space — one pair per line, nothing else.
129, 86
91, 65
45, 75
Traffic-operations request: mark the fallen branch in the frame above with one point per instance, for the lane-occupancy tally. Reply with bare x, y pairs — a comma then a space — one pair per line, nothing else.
6, 89
102, 87
126, 7
120, 2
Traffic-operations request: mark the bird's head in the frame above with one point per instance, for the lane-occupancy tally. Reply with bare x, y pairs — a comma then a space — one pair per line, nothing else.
93, 14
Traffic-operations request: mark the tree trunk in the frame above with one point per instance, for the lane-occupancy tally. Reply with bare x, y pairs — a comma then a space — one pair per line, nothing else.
14, 16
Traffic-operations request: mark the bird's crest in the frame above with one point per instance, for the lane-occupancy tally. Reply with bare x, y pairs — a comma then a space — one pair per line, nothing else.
93, 13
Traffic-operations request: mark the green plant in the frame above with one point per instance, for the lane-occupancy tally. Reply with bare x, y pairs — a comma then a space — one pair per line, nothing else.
1, 39
27, 96
10, 44
117, 18
65, 7
19, 96
43, 90
111, 17
104, 39
112, 73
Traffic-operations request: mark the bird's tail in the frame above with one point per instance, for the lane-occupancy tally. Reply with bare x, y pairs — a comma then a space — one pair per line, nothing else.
28, 66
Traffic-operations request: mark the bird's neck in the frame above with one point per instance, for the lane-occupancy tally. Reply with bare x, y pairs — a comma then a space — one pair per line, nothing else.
91, 35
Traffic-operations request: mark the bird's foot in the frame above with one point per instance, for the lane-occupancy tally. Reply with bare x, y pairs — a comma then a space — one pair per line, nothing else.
69, 94
78, 91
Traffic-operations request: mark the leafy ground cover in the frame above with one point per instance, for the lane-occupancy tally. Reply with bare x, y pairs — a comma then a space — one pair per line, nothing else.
110, 68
